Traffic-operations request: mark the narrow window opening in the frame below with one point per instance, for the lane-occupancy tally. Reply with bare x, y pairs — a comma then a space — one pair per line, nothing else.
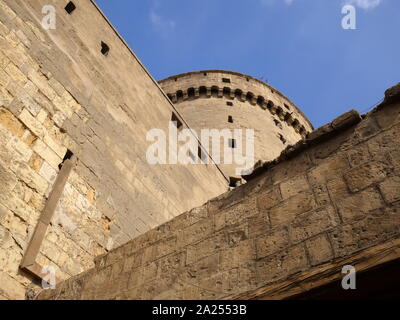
176, 79
202, 91
214, 92
230, 119
226, 80
105, 49
68, 155
232, 143
179, 95
282, 138
205, 74
229, 104
70, 7
286, 106
201, 154
191, 93
175, 120
278, 124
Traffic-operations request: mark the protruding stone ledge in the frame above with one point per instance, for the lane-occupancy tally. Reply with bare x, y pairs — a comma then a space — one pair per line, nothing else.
327, 131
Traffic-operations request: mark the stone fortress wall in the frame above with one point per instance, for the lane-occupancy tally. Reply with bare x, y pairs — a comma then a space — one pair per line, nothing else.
330, 200
217, 99
78, 92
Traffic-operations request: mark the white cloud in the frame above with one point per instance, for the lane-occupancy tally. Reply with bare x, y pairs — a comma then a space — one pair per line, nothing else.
365, 4
160, 24
158, 21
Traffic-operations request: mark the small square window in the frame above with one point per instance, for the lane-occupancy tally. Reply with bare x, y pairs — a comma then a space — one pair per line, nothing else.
230, 119
70, 7
226, 80
105, 49
229, 104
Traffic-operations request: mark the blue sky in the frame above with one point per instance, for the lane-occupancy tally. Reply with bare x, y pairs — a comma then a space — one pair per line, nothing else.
299, 46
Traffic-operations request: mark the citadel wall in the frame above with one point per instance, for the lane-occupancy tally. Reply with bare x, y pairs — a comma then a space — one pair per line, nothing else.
79, 90
217, 99
332, 199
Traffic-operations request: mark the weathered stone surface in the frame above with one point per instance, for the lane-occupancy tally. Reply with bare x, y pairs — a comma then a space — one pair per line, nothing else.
294, 186
310, 224
390, 189
314, 199
276, 240
319, 249
358, 205
294, 206
362, 177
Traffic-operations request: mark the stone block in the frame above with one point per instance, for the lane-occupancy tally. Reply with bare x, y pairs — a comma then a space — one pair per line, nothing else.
310, 224
362, 177
390, 189
294, 186
238, 255
282, 265
319, 249
274, 241
196, 232
294, 206
268, 199
329, 169
358, 205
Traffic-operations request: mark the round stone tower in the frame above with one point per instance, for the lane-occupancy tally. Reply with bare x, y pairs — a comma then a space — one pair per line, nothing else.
217, 99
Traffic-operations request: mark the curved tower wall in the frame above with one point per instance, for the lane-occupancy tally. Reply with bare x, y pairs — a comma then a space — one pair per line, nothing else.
226, 100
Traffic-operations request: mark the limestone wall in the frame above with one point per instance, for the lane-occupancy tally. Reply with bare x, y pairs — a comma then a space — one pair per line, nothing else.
329, 201
216, 99
59, 93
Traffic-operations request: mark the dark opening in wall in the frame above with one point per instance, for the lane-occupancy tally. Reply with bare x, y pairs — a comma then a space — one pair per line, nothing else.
176, 79
226, 80
191, 93
179, 95
214, 91
238, 94
278, 123
68, 155
232, 143
202, 91
286, 106
229, 104
226, 92
249, 97
105, 49
230, 119
205, 74
70, 7
201, 154
234, 182
282, 138
175, 120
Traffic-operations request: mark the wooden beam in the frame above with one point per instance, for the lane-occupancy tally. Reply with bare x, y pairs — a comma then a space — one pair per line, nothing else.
29, 260
324, 274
